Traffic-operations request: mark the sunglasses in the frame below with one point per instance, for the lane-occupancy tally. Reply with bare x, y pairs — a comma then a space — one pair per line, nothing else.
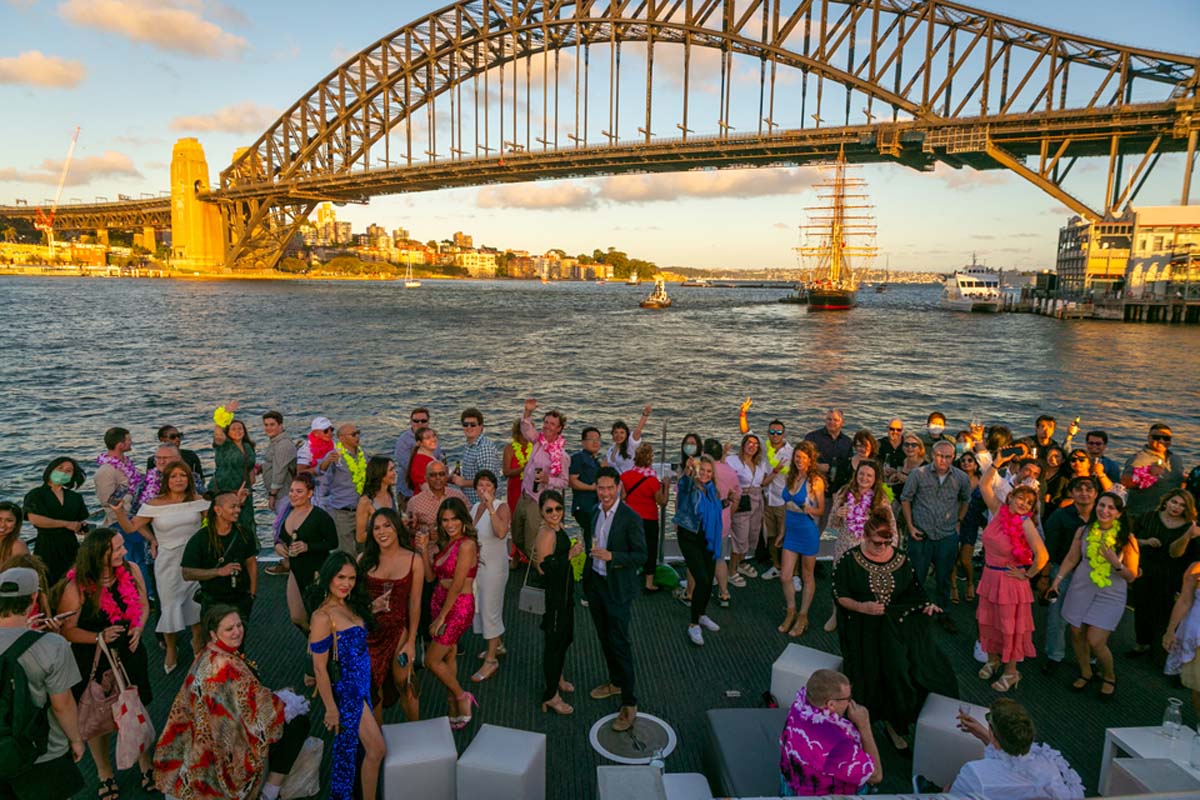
896, 430
1079, 458
353, 433
416, 421
470, 424
1160, 437
909, 444
176, 436
553, 509
774, 432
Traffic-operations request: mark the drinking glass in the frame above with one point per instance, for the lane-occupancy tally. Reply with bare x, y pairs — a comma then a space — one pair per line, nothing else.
1173, 718
1195, 757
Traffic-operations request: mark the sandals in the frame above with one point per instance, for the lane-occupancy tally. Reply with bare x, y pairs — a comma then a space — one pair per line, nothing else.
1081, 683
500, 651
490, 665
108, 790
801, 625
723, 601
989, 670
1007, 681
558, 706
148, 784
1107, 696
787, 621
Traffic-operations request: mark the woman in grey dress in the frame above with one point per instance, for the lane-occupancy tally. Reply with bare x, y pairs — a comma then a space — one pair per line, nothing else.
1107, 550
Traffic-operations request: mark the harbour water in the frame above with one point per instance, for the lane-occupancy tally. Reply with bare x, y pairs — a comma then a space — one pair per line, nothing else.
84, 355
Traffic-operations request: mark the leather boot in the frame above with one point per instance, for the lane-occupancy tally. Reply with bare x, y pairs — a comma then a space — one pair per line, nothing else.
624, 720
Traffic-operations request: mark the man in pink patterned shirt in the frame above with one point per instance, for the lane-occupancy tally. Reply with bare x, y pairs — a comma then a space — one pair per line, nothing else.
827, 746
548, 468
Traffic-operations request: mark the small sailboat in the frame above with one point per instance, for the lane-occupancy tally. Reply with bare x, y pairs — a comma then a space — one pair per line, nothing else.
657, 298
409, 281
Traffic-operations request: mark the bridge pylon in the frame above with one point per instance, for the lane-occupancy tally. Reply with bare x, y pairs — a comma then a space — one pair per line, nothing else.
195, 224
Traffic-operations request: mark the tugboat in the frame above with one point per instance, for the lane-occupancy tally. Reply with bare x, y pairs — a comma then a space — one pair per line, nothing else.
837, 238
797, 297
658, 298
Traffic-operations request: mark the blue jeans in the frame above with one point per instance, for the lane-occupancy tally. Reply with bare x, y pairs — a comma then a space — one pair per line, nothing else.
940, 553
1056, 626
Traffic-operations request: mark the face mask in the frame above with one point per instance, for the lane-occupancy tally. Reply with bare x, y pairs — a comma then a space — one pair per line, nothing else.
60, 478
960, 448
689, 450
936, 430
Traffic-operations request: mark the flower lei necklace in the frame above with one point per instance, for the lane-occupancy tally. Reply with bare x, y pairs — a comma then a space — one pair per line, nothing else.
555, 450
1013, 526
521, 452
1143, 478
126, 466
856, 512
1101, 568
127, 590
357, 467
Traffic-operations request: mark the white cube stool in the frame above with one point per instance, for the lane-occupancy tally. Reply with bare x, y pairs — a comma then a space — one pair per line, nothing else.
686, 786
420, 760
503, 764
940, 748
792, 669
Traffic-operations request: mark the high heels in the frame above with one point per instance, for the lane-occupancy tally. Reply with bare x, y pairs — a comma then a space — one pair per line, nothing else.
458, 723
788, 619
989, 670
558, 706
1008, 680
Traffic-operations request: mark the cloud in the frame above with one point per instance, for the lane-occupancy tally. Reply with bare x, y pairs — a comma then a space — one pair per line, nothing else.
968, 178
32, 68
783, 226
245, 117
1060, 211
83, 170
175, 27
537, 197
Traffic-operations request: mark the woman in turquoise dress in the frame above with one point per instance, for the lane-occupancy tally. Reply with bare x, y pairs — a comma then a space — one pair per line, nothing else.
804, 499
233, 451
342, 665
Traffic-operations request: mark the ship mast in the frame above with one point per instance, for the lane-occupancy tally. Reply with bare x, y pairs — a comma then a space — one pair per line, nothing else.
839, 237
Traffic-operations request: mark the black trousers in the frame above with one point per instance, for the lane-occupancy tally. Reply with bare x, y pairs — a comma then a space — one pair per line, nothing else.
703, 566
612, 620
558, 630
584, 520
1152, 597
650, 526
57, 779
283, 754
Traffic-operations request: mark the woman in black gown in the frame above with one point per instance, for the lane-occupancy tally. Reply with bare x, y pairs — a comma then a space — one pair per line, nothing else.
552, 558
883, 628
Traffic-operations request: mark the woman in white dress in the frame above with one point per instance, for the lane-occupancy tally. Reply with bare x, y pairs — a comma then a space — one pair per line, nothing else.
176, 514
491, 518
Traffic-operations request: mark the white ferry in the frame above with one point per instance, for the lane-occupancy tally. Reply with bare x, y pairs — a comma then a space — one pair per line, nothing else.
973, 288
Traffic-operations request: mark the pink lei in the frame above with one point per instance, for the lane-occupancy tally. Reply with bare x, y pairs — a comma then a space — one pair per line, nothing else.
555, 450
1013, 526
1143, 478
131, 599
857, 511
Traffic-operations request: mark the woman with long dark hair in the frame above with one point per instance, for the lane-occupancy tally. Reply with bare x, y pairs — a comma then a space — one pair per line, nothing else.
233, 454
968, 531
453, 604
1096, 601
863, 495
552, 558
492, 523
58, 513
395, 577
306, 538
625, 444
1163, 535
109, 595
338, 635
379, 491
10, 532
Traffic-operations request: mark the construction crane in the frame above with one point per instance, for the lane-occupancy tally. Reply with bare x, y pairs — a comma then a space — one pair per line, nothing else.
43, 221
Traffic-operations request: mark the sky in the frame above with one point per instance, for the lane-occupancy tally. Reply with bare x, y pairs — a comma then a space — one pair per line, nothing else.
135, 75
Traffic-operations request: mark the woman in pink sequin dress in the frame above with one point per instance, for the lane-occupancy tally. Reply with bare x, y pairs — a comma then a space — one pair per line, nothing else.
1012, 554
453, 602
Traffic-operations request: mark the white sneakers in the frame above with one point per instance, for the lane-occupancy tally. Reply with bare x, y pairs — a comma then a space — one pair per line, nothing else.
695, 635
796, 583
708, 624
770, 574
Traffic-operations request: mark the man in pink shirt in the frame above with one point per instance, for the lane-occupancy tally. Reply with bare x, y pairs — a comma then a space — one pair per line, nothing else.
729, 489
548, 468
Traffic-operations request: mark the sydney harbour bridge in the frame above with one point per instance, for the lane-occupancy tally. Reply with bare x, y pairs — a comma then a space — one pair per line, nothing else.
505, 91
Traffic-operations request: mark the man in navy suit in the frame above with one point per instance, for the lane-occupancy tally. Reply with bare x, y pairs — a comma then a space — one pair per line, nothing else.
611, 582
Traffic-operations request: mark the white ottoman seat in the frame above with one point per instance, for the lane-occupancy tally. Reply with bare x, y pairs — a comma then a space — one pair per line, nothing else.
792, 669
940, 748
420, 760
503, 764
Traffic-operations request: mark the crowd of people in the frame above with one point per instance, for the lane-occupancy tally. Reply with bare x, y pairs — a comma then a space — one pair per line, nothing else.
391, 558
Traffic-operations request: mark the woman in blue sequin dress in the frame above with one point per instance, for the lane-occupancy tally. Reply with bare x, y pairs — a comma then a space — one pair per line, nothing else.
339, 634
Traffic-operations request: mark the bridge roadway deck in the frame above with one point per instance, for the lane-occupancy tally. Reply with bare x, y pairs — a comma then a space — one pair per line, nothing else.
678, 681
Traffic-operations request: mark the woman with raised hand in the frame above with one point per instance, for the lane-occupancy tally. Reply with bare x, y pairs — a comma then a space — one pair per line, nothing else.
753, 472
395, 577
492, 522
625, 444
1095, 602
342, 665
233, 454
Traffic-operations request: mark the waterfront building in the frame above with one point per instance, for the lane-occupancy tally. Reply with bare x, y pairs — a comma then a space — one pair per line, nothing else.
1165, 262
477, 265
464, 241
1092, 255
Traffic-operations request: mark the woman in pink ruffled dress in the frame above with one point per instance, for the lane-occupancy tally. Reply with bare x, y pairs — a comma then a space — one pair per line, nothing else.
1013, 553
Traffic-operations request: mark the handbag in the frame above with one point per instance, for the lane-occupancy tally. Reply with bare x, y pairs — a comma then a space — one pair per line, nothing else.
532, 598
304, 780
98, 698
135, 731
743, 503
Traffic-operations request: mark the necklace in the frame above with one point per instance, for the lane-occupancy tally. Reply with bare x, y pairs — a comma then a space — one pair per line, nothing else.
357, 467
1101, 572
521, 452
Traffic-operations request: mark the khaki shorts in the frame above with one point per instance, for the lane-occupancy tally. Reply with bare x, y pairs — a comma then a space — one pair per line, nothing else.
526, 521
775, 521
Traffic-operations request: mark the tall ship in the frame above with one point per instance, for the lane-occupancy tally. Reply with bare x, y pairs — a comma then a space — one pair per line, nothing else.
838, 238
973, 288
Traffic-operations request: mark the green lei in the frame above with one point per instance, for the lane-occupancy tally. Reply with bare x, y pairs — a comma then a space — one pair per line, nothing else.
357, 467
1101, 573
774, 459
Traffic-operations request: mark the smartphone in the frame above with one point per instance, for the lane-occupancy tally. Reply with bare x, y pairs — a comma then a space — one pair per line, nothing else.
65, 615
1015, 450
120, 494
402, 660
441, 631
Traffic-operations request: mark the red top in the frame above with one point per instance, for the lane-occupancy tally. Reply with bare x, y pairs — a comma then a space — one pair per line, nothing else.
641, 499
416, 470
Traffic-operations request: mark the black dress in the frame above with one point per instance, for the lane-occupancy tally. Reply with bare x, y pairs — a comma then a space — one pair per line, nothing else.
92, 619
891, 660
1152, 595
558, 623
56, 547
320, 534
